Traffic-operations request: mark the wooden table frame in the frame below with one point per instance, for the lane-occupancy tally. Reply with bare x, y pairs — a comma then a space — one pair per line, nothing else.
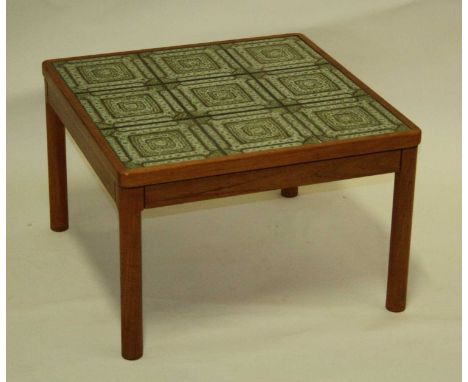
136, 189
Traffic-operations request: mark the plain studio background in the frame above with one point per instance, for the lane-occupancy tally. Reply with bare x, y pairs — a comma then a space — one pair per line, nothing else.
250, 288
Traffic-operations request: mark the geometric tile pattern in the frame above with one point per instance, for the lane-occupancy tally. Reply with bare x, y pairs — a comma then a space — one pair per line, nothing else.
308, 85
190, 64
345, 120
255, 131
133, 106
270, 54
105, 73
167, 142
222, 95
182, 104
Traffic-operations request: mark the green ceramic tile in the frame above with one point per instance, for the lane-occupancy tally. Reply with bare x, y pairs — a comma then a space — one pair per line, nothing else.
221, 96
255, 131
191, 63
350, 119
295, 86
158, 143
105, 73
270, 54
173, 105
134, 106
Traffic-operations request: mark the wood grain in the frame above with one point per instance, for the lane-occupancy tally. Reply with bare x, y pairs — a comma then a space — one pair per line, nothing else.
57, 164
271, 179
130, 205
265, 159
400, 239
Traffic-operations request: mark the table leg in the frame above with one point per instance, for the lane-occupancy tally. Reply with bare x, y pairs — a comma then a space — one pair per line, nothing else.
289, 192
57, 162
130, 204
401, 231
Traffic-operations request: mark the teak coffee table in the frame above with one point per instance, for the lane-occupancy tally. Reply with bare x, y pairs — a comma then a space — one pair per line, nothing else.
194, 122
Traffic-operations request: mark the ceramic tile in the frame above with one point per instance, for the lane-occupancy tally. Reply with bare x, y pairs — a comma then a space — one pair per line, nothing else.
129, 107
157, 143
173, 105
316, 84
344, 120
277, 53
255, 131
105, 73
191, 64
221, 96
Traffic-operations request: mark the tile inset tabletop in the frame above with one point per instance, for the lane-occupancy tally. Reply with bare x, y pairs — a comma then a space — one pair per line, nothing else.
181, 104
182, 124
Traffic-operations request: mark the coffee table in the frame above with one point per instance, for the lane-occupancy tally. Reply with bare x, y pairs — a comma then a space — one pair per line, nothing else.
179, 124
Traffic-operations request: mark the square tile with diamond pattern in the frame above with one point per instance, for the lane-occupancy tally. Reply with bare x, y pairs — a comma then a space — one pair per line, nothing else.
180, 104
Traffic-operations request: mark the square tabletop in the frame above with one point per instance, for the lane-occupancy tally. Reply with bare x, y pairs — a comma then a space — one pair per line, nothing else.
223, 107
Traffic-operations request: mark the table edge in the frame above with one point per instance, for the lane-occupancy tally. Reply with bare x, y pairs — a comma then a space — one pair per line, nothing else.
246, 161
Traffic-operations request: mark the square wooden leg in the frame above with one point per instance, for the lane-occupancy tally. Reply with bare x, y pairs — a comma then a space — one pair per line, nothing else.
401, 231
57, 163
289, 192
130, 204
